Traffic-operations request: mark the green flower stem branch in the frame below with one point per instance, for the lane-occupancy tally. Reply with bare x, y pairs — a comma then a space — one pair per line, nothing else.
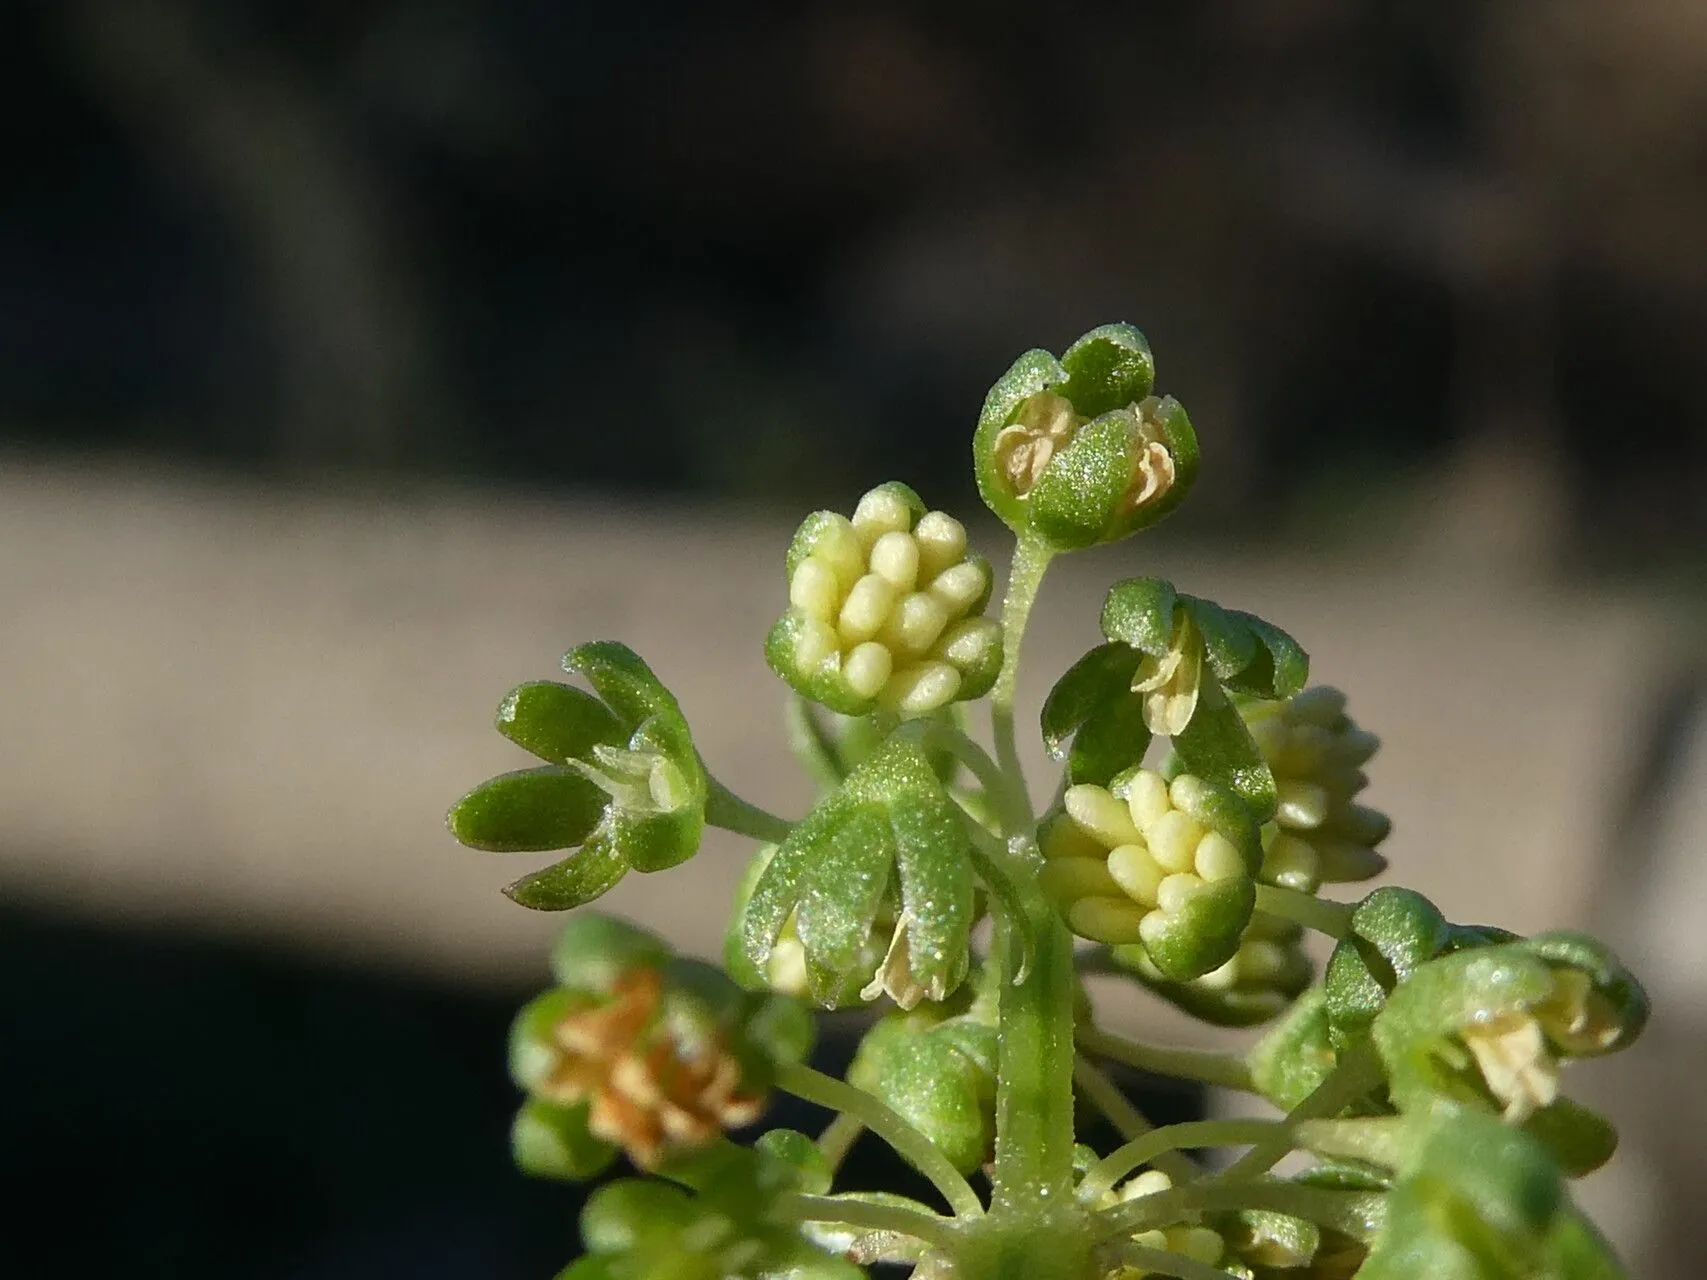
723, 808
1129, 1122
1321, 914
1030, 563
912, 1146
1142, 1150
1206, 796
795, 1206
1185, 1064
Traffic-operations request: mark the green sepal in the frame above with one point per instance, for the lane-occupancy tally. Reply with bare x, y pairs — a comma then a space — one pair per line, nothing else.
822, 685
1264, 1238
829, 745
593, 951
623, 680
1036, 370
1296, 1055
1113, 741
1393, 930
1076, 501
1108, 368
528, 811
927, 1077
551, 1141
1094, 706
1613, 983
557, 722
630, 1212
1204, 933
1140, 612
1579, 1140
809, 1169
1279, 668
1217, 744
892, 817
588, 873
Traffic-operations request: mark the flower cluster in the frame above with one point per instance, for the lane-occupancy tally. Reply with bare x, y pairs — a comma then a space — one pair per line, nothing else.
1320, 834
1168, 865
641, 1051
885, 610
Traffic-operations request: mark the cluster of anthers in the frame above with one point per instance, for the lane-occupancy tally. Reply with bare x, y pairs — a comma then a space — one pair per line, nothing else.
642, 1092
1046, 424
1122, 867
893, 603
1316, 752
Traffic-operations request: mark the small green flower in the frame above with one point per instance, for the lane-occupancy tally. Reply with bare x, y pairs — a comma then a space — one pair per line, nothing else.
939, 1073
1315, 751
1076, 451
640, 1050
1266, 974
624, 782
885, 610
890, 839
1296, 1054
1168, 865
1494, 1022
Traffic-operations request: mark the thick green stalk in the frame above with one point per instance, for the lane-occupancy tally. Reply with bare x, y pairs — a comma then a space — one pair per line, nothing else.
1034, 1077
723, 808
1324, 915
1031, 559
1221, 1069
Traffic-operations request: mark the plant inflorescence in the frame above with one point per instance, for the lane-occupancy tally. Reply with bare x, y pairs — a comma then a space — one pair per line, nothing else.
1207, 795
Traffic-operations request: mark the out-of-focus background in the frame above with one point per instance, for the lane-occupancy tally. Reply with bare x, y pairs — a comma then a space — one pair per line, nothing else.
356, 358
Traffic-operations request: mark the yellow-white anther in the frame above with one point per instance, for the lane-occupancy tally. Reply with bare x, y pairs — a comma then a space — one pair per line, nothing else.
1218, 858
1147, 798
942, 543
914, 624
1100, 814
879, 512
1045, 424
1198, 1243
1171, 683
1152, 477
866, 609
1177, 890
1173, 840
895, 558
815, 644
1302, 805
867, 669
1147, 1183
1136, 872
1515, 1062
814, 590
1066, 880
1111, 920
960, 586
838, 548
969, 641
922, 687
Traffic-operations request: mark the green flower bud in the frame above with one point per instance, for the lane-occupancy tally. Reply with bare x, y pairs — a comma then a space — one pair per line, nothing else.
1393, 931
624, 782
1315, 752
1170, 866
1296, 1055
885, 610
891, 829
643, 1051
940, 1075
551, 1141
1268, 971
1076, 451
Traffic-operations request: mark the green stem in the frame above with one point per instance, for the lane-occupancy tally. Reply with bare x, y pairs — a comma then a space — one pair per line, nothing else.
1357, 1072
1129, 1122
1324, 915
723, 808
1034, 1072
1221, 1069
1349, 1212
1031, 560
1164, 1262
1007, 797
911, 1145
838, 1139
1146, 1147
796, 1206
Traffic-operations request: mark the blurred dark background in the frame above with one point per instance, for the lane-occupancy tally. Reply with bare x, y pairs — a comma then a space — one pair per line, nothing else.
777, 247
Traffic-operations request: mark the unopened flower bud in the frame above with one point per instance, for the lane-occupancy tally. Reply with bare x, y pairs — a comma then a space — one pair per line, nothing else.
939, 1074
1167, 866
885, 610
